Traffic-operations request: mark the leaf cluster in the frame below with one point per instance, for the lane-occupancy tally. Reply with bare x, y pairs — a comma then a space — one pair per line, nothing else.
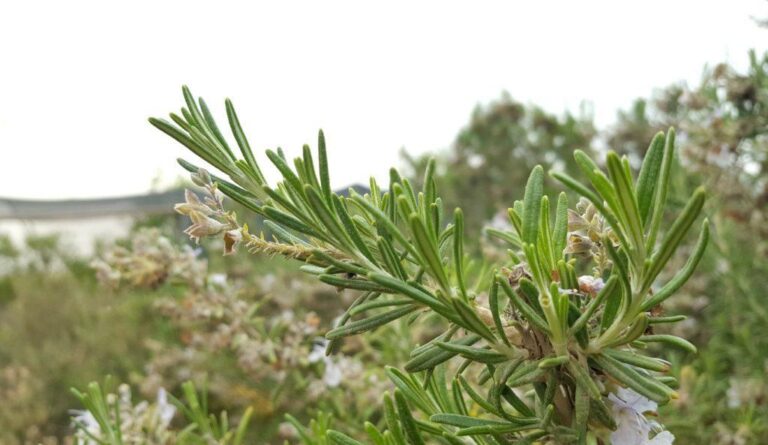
538, 361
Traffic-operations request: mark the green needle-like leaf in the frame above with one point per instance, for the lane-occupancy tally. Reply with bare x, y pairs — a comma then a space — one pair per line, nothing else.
685, 273
338, 438
649, 176
675, 235
560, 233
534, 190
411, 430
370, 323
458, 250
671, 340
428, 251
661, 189
626, 200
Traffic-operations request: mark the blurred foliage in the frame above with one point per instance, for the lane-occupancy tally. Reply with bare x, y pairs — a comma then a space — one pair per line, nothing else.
487, 166
59, 329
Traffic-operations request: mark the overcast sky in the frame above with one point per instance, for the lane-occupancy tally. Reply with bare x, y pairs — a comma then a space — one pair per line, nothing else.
78, 79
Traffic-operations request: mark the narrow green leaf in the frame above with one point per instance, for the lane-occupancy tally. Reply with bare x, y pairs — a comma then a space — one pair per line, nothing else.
626, 199
412, 388
374, 434
429, 251
351, 229
649, 176
328, 218
526, 374
552, 362
410, 428
560, 234
288, 175
357, 284
429, 181
670, 340
650, 363
242, 141
211, 123
600, 412
580, 189
493, 429
204, 153
475, 354
675, 235
477, 398
464, 421
685, 273
391, 418
534, 190
379, 303
614, 301
434, 355
418, 295
528, 313
544, 244
645, 386
581, 418
458, 250
322, 155
367, 324
290, 222
667, 319
493, 302
308, 169
581, 374
471, 319
387, 224
661, 189
391, 259
338, 438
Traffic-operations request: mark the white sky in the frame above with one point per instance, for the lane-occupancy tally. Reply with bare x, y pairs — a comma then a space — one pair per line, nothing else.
78, 79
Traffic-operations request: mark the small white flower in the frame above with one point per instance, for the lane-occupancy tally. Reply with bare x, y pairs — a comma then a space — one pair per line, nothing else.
165, 410
332, 375
219, 279
590, 285
85, 421
318, 350
633, 428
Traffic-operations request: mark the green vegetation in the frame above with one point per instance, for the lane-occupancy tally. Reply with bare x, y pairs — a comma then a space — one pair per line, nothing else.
571, 319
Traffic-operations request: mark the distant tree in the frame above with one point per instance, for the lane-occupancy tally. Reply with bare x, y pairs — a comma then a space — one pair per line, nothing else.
722, 125
486, 167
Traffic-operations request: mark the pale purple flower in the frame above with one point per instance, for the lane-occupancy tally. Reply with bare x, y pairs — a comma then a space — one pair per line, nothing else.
192, 204
634, 428
590, 285
203, 226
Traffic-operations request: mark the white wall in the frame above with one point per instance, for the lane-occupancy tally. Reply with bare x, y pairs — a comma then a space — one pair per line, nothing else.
77, 234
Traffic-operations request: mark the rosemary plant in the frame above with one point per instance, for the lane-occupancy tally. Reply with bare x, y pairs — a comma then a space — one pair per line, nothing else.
531, 352
113, 419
